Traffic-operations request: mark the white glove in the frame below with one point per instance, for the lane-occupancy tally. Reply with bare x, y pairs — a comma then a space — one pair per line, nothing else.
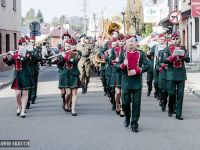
125, 62
133, 72
117, 59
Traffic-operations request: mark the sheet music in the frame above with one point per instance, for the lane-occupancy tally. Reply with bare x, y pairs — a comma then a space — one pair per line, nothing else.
22, 52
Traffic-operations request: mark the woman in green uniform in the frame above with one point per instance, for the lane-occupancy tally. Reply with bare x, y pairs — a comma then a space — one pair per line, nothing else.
69, 73
22, 79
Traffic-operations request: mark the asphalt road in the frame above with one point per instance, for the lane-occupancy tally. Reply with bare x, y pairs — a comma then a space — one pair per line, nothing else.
96, 127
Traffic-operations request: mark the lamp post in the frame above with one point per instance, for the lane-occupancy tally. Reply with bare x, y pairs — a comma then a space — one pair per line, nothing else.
123, 15
134, 19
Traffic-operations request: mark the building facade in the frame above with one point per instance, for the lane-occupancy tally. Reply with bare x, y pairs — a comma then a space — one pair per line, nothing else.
10, 23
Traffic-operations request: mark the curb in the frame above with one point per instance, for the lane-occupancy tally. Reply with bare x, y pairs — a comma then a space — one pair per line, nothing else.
5, 85
194, 91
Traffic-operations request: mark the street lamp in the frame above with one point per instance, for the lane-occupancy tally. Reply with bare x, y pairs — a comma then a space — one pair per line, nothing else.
123, 15
134, 19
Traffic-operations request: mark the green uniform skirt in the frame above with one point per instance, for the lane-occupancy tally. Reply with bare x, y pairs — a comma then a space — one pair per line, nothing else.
69, 81
116, 79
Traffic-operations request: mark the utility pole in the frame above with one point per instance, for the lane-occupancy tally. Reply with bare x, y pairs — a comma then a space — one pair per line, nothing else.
84, 4
95, 27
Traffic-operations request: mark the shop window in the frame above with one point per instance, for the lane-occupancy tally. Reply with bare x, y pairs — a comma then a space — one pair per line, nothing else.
14, 5
15, 41
3, 3
7, 42
196, 30
0, 44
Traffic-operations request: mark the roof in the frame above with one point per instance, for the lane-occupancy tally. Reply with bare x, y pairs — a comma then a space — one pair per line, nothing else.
186, 14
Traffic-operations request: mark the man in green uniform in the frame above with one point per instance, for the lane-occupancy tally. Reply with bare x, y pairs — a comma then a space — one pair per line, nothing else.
154, 51
150, 73
175, 57
133, 63
101, 57
85, 63
162, 79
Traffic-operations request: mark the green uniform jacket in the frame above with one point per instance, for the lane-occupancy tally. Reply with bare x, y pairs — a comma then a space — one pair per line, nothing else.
74, 70
133, 82
22, 77
34, 65
173, 73
161, 66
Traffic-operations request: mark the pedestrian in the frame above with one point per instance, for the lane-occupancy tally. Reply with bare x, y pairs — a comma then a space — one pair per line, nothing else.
22, 79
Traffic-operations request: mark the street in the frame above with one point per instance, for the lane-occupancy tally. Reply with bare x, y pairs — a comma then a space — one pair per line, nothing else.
96, 127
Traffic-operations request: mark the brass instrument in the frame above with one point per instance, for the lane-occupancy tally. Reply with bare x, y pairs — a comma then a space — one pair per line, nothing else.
98, 60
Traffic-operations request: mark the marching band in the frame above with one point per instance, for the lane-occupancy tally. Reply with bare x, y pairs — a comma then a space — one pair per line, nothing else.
122, 64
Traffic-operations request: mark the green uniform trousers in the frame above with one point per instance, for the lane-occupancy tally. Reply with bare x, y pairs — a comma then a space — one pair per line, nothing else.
176, 89
134, 97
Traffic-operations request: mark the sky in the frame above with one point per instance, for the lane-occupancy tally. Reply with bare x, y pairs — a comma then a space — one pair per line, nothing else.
51, 8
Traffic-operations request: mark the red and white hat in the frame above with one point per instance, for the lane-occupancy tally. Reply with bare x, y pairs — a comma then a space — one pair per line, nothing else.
71, 41
21, 40
66, 34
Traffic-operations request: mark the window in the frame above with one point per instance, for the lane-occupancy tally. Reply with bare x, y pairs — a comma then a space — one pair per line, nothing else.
14, 5
0, 45
183, 38
196, 30
7, 42
154, 2
15, 41
3, 3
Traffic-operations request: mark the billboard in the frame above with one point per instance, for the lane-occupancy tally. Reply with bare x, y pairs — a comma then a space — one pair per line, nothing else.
151, 14
195, 5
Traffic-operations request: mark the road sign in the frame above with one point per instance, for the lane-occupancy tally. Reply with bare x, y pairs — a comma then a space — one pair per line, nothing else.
175, 17
195, 5
34, 26
35, 33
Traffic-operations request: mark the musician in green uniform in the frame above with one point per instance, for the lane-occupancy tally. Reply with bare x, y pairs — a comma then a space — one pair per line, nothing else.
22, 78
175, 57
34, 65
116, 77
162, 79
133, 63
149, 73
69, 75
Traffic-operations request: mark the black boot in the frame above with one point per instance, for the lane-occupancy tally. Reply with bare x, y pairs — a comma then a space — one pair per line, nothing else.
172, 100
149, 89
127, 112
164, 103
83, 89
113, 99
63, 98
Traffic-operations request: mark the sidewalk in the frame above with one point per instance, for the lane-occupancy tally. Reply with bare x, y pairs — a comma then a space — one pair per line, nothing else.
193, 83
5, 78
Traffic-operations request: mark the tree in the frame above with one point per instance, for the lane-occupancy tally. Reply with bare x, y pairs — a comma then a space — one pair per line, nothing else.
40, 17
30, 15
55, 22
148, 29
134, 10
62, 19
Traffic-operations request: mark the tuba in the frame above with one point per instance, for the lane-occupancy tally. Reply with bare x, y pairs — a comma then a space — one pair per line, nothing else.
99, 60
